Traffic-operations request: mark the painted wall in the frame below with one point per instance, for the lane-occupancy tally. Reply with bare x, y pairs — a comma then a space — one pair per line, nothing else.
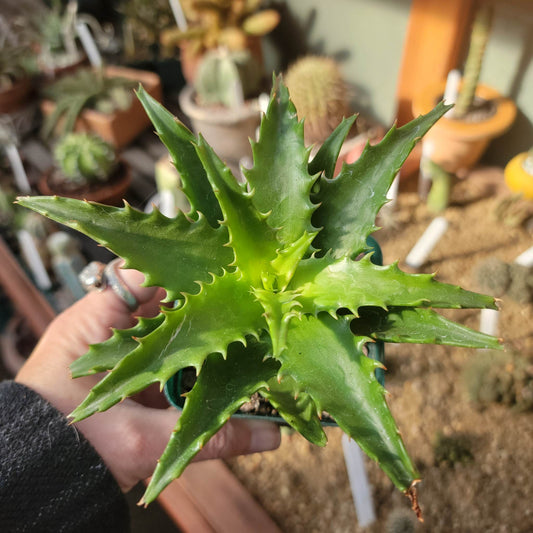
508, 66
365, 35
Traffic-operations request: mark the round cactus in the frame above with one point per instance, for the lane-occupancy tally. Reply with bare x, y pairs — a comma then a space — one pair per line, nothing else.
320, 95
85, 158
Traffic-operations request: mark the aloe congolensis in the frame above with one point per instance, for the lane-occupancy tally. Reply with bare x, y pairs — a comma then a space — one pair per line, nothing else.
274, 290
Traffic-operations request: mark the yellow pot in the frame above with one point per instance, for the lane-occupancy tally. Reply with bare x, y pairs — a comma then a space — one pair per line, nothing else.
518, 179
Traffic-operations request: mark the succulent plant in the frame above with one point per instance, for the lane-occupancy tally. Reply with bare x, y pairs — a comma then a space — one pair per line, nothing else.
271, 292
215, 23
85, 158
86, 88
320, 94
227, 78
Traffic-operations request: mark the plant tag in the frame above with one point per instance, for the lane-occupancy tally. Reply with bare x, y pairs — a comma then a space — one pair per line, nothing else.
88, 44
33, 259
21, 179
526, 258
179, 16
362, 495
452, 89
421, 250
489, 321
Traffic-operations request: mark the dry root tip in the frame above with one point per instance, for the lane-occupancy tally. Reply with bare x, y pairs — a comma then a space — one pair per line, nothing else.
413, 498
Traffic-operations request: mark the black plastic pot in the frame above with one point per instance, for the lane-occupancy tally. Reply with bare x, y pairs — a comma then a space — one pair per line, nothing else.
174, 387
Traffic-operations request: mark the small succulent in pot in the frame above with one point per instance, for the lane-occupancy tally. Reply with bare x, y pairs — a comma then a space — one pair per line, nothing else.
271, 293
84, 158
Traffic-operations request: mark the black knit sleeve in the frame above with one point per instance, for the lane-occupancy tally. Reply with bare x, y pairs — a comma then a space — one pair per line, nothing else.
51, 478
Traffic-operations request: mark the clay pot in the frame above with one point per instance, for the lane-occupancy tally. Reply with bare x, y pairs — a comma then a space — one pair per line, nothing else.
17, 96
110, 193
227, 130
120, 127
459, 144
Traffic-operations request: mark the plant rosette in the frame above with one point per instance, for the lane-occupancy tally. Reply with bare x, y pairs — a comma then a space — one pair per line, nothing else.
273, 289
518, 174
110, 192
459, 144
121, 126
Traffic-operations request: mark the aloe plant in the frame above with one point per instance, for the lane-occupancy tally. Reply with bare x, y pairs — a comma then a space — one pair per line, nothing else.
273, 290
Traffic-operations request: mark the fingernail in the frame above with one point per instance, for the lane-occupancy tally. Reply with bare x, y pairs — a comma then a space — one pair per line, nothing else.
264, 435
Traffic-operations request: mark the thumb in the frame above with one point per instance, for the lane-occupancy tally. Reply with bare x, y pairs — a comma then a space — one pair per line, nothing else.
151, 429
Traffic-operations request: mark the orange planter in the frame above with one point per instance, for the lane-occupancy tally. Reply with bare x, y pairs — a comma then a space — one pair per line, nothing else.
121, 127
458, 145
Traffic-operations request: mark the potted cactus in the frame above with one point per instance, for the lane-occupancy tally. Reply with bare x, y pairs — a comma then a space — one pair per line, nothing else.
481, 112
222, 104
271, 293
87, 168
320, 94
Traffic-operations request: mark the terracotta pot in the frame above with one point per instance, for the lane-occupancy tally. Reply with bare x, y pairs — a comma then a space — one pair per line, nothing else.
17, 96
458, 145
109, 193
227, 130
121, 127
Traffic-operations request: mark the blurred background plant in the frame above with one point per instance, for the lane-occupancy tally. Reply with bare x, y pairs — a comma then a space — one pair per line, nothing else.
214, 23
84, 158
450, 450
143, 23
500, 377
320, 95
84, 89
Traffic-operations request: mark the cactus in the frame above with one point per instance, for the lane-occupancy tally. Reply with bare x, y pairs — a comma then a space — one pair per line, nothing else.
450, 450
85, 158
498, 377
501, 278
478, 42
273, 291
493, 276
227, 78
320, 95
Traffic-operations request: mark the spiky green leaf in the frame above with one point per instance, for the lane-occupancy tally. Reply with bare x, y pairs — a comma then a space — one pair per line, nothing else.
252, 239
298, 410
283, 190
223, 385
421, 326
106, 355
172, 253
180, 143
204, 324
327, 362
326, 284
325, 159
350, 203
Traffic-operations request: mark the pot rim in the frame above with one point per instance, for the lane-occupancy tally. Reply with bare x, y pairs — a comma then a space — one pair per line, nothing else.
214, 114
494, 126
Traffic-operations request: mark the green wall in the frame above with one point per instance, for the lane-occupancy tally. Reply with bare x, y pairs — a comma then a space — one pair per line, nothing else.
508, 67
367, 37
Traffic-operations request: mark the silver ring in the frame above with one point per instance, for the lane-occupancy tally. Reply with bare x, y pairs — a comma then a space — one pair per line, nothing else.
97, 276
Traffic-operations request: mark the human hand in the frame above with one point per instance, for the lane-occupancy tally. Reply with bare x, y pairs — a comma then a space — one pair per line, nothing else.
132, 435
